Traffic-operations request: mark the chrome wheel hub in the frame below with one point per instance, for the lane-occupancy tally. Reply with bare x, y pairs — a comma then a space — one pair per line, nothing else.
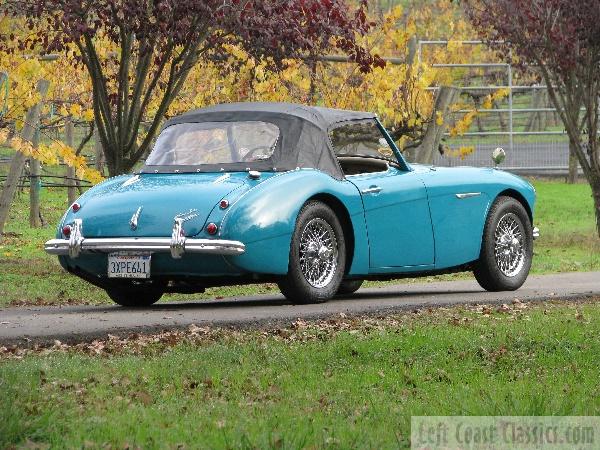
509, 248
318, 253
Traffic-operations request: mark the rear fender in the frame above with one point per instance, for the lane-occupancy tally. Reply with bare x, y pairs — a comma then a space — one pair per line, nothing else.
264, 219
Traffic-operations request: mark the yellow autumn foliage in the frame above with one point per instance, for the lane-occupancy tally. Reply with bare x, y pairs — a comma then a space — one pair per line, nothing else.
69, 86
463, 125
462, 152
400, 94
52, 154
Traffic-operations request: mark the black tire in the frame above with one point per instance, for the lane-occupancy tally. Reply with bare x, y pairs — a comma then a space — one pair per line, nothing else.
349, 287
296, 286
134, 295
504, 269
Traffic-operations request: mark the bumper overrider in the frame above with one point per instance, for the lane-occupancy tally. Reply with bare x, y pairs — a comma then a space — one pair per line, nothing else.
177, 245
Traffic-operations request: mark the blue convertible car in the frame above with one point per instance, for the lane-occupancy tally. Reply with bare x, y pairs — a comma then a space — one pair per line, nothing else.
314, 199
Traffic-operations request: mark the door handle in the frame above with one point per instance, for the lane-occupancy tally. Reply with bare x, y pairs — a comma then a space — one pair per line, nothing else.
371, 190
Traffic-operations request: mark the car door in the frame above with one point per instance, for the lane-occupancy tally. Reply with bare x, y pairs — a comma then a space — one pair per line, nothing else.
395, 200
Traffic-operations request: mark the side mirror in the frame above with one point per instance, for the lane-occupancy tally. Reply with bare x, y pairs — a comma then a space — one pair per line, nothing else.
498, 155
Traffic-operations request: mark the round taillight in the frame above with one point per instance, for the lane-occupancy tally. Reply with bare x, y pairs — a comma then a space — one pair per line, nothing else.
75, 207
224, 203
211, 228
66, 230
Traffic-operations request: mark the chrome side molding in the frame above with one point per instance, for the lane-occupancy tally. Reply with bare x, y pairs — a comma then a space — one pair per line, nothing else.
467, 194
372, 190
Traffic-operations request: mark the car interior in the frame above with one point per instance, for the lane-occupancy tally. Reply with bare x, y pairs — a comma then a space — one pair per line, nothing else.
355, 165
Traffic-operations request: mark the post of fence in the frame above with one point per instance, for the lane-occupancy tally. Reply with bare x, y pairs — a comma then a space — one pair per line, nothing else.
433, 136
35, 215
18, 162
5, 85
70, 178
98, 152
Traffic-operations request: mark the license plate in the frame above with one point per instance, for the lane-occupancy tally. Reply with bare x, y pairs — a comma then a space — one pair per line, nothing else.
128, 265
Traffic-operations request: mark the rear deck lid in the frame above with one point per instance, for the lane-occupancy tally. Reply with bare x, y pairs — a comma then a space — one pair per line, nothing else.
154, 200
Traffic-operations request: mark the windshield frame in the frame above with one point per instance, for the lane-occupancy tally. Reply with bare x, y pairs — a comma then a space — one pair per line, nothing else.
399, 162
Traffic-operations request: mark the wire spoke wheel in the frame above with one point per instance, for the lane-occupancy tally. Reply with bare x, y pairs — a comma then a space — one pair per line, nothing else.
318, 252
317, 256
509, 247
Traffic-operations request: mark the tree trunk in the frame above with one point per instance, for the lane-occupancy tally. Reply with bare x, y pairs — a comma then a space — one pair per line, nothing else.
35, 215
71, 184
595, 184
543, 116
573, 165
434, 133
312, 91
18, 161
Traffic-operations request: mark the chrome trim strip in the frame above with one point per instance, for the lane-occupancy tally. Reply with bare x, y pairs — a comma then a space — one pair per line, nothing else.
133, 222
149, 244
222, 178
467, 194
536, 232
371, 190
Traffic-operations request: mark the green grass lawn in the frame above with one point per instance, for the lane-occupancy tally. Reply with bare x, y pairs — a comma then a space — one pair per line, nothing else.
564, 214
343, 383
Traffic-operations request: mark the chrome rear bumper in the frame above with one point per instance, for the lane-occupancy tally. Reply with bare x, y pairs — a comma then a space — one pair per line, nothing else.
177, 245
153, 245
536, 232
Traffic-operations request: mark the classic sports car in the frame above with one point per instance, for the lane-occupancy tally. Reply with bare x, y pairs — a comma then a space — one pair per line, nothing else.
314, 199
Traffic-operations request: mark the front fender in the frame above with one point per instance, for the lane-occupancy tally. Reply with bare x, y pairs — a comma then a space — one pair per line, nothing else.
458, 223
264, 219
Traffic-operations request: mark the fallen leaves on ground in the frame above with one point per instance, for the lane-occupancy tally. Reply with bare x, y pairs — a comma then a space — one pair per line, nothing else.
298, 331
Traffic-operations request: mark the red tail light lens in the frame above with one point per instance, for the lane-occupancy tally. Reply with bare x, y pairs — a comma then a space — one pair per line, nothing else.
211, 228
224, 204
66, 230
76, 207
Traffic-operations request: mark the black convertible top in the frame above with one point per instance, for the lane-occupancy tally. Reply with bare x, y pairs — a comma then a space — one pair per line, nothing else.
303, 141
319, 116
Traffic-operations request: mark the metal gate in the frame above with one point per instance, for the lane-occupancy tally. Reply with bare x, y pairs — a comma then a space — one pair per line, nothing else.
544, 150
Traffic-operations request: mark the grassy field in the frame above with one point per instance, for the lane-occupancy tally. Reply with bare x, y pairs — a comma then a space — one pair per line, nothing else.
342, 383
27, 275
